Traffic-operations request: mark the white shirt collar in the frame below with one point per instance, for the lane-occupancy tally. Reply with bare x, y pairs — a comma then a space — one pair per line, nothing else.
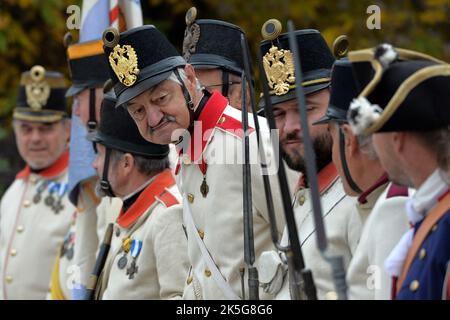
427, 196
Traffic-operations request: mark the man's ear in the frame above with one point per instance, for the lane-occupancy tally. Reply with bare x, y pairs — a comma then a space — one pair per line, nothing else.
128, 163
191, 78
398, 141
351, 141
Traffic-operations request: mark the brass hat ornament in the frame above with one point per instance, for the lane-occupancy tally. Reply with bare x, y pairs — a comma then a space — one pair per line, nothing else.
123, 59
191, 34
37, 89
278, 63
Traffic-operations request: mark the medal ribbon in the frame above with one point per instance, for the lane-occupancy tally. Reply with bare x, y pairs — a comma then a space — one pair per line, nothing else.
136, 246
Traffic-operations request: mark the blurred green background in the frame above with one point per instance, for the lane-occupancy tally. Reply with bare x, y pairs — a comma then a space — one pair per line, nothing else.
31, 32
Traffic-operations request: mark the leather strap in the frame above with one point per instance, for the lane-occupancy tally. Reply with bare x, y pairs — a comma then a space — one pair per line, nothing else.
225, 83
92, 122
104, 183
352, 184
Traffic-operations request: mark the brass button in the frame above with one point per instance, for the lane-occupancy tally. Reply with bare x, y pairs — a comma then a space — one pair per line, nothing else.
301, 200
222, 120
331, 295
190, 197
20, 229
186, 159
201, 234
422, 254
189, 280
27, 203
207, 273
9, 279
414, 285
434, 227
13, 252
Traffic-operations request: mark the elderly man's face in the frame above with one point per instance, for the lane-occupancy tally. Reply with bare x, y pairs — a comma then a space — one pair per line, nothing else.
288, 123
41, 144
160, 113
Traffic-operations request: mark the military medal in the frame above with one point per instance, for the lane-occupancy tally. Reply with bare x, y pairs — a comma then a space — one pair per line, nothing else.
38, 196
50, 200
58, 206
136, 246
69, 253
68, 246
123, 261
204, 188
132, 269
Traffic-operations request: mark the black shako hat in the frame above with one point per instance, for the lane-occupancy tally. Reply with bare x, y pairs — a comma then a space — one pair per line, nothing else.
402, 90
138, 59
118, 131
209, 44
343, 91
315, 57
87, 65
41, 96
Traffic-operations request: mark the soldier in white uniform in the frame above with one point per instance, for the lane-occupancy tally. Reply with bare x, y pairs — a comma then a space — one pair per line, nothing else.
166, 102
380, 205
217, 60
35, 213
148, 256
88, 72
342, 221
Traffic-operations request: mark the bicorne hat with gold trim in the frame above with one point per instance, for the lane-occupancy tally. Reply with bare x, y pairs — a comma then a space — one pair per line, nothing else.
87, 65
211, 44
41, 96
118, 131
315, 57
401, 90
138, 59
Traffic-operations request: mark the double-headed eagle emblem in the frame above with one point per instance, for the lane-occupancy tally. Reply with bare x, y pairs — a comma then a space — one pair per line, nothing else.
279, 67
37, 90
124, 62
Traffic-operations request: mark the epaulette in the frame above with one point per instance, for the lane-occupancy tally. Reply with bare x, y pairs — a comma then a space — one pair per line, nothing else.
232, 125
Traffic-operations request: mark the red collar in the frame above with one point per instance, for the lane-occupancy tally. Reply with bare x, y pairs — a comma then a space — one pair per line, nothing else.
205, 124
203, 129
382, 180
150, 194
325, 178
53, 171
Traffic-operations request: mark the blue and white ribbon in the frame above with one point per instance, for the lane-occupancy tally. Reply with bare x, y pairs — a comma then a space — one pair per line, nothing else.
63, 188
53, 186
136, 246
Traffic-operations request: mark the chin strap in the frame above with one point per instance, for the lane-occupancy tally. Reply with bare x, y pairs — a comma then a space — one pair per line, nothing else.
345, 168
225, 83
104, 183
92, 122
187, 98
